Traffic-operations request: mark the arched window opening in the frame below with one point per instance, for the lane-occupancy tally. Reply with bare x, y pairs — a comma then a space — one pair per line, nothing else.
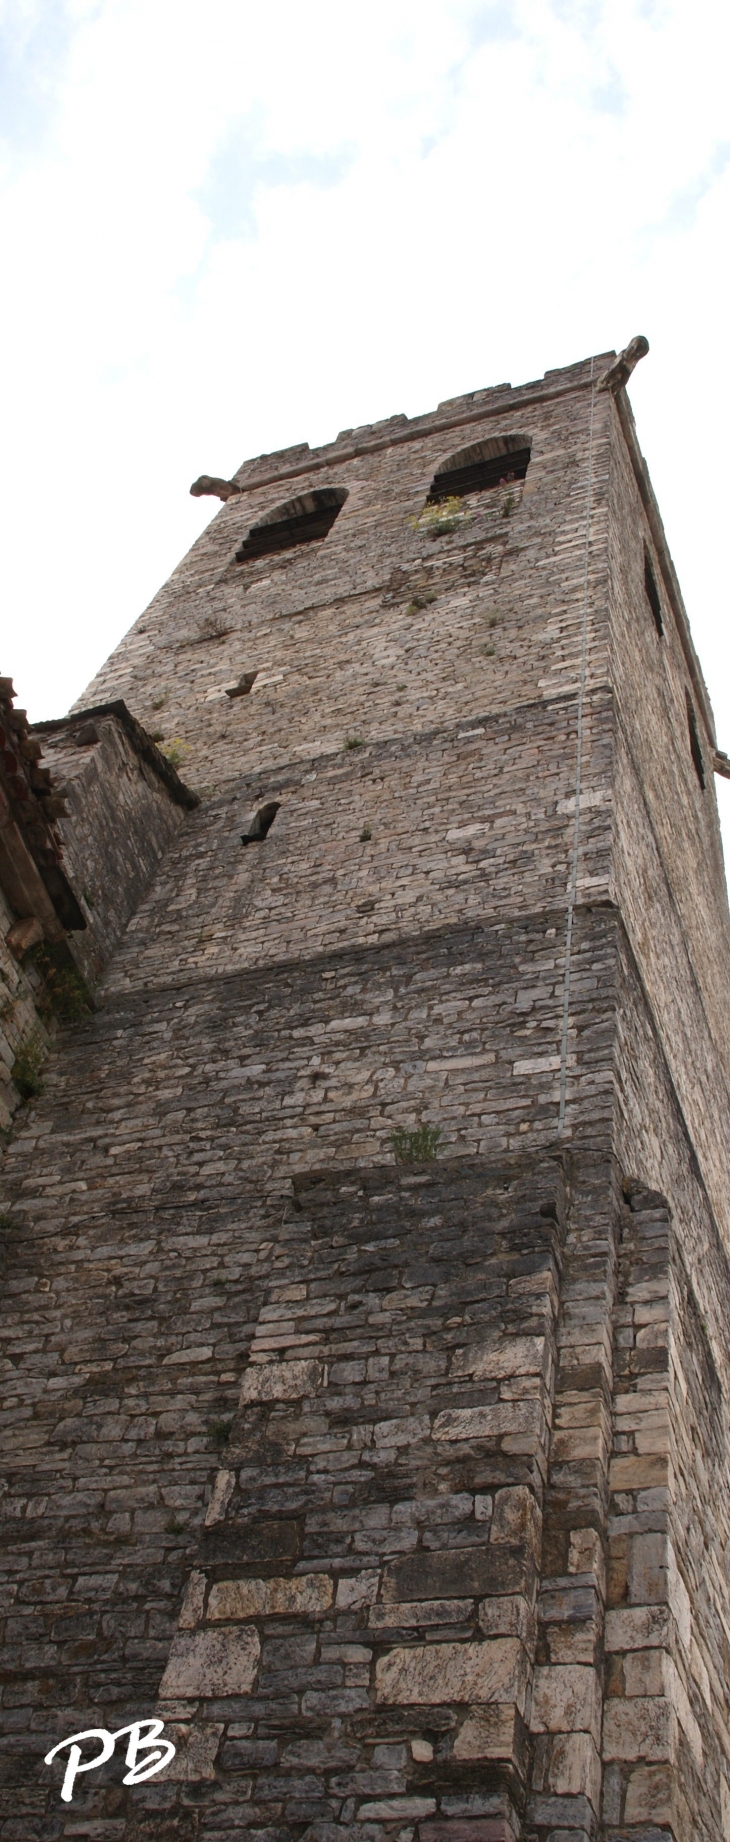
305, 520
497, 462
694, 742
652, 594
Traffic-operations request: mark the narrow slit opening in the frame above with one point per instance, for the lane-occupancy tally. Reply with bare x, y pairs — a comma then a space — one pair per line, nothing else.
694, 742
652, 594
243, 686
261, 823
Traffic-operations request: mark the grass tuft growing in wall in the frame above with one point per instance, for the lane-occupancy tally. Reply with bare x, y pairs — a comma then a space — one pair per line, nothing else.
439, 520
220, 1432
175, 751
416, 1147
26, 1069
422, 599
64, 996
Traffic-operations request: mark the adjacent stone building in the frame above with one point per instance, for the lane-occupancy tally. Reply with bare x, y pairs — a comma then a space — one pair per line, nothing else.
366, 1288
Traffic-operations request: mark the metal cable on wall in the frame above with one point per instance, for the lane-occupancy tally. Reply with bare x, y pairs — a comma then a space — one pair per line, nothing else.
578, 777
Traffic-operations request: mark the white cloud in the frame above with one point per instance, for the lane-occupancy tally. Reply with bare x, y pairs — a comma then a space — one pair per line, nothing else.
230, 228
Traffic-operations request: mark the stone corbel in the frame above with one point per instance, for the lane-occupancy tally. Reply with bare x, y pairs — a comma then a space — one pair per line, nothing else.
21, 880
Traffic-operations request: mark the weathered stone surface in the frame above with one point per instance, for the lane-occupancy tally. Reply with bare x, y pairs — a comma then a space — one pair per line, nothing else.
211, 1663
307, 1593
455, 1572
488, 1733
642, 1728
223, 1488
356, 1590
516, 1518
196, 1748
476, 1829
433, 1674
192, 1605
489, 1422
396, 1809
420, 1612
565, 1699
411, 1430
280, 1381
514, 1356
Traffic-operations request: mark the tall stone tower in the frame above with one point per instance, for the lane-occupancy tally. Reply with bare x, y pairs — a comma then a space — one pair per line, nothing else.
366, 1288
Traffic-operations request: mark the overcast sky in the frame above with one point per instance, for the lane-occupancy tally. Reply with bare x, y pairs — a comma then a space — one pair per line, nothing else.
227, 227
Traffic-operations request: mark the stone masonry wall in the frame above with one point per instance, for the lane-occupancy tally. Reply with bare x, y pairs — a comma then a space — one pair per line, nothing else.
20, 1019
395, 1490
462, 824
666, 1741
335, 630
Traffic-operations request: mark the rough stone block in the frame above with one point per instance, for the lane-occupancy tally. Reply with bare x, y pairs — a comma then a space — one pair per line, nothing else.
575, 1767
457, 1572
432, 1675
566, 1698
474, 1829
192, 1605
396, 1809
357, 1589
488, 1733
196, 1748
509, 1356
403, 1615
637, 1627
505, 1417
223, 1489
516, 1517
211, 1664
649, 1795
280, 1381
308, 1593
639, 1729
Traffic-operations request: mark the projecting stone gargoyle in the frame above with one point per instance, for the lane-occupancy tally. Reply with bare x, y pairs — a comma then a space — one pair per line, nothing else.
618, 374
209, 488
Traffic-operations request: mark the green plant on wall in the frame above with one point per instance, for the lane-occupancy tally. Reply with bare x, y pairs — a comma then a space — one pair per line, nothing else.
64, 994
26, 1069
438, 520
416, 1147
175, 751
422, 599
220, 1432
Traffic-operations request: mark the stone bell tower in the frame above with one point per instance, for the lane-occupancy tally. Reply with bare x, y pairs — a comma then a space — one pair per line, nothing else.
366, 1283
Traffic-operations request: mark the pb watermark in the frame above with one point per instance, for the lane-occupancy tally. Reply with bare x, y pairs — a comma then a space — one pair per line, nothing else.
144, 1756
